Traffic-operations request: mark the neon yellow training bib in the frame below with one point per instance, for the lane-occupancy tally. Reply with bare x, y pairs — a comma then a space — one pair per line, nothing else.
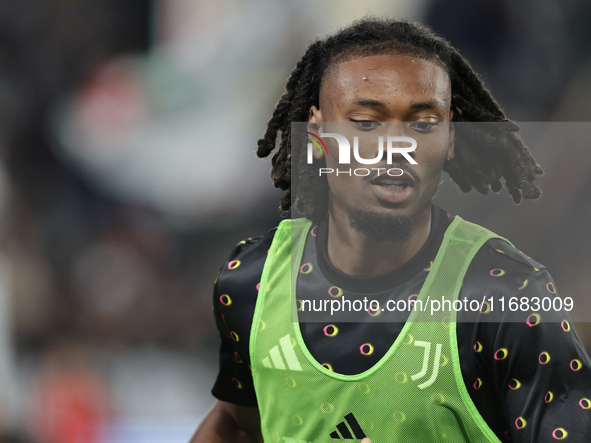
415, 393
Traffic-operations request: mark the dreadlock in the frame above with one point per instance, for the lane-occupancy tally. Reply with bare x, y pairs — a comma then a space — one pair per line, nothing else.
484, 154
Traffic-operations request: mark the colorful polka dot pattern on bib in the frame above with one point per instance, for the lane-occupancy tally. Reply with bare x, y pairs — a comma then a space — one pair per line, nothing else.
538, 407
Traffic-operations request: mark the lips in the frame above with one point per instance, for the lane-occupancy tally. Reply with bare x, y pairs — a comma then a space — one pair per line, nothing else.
393, 189
392, 183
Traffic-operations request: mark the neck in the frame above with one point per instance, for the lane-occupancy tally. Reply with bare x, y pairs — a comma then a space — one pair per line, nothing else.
355, 254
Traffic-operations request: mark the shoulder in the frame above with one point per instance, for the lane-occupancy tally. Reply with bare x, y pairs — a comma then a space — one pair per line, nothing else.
245, 262
500, 250
252, 246
249, 255
498, 260
500, 271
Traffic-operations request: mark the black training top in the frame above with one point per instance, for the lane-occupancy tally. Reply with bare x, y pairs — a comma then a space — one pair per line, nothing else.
530, 378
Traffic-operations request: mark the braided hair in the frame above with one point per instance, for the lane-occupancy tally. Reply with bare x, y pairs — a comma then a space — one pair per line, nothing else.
484, 154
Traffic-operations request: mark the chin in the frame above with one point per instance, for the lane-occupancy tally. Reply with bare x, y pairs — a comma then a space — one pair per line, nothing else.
381, 226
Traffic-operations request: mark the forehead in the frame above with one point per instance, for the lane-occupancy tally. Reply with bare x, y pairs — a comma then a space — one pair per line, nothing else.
389, 78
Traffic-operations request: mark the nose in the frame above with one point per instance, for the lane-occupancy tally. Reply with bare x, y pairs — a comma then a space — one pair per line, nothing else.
398, 146
400, 149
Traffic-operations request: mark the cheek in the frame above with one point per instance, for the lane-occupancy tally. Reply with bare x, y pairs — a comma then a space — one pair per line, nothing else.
431, 168
434, 171
350, 191
433, 154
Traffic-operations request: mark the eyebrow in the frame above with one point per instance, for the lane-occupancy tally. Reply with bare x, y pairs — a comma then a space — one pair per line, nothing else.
432, 104
419, 106
371, 103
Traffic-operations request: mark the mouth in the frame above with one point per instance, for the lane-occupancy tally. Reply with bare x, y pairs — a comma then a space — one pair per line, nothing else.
391, 183
397, 183
393, 189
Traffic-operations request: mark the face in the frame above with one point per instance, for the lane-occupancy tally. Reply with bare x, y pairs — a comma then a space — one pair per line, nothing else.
386, 95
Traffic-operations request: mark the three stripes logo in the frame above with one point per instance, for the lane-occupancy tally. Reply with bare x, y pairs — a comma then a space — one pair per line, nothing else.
282, 356
348, 429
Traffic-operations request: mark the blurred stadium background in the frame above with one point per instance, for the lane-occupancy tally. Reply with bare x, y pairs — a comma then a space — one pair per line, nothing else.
127, 172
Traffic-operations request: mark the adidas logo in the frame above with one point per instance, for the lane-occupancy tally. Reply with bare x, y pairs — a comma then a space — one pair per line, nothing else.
275, 359
351, 432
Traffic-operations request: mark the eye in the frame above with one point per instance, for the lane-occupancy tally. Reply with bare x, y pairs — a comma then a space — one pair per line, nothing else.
424, 127
365, 125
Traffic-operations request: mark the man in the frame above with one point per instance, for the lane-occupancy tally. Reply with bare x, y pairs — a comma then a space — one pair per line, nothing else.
427, 377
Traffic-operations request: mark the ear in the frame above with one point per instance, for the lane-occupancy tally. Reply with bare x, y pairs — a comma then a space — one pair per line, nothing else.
315, 126
452, 135
315, 117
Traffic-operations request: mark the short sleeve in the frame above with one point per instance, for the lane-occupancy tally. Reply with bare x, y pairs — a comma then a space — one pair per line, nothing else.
234, 300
